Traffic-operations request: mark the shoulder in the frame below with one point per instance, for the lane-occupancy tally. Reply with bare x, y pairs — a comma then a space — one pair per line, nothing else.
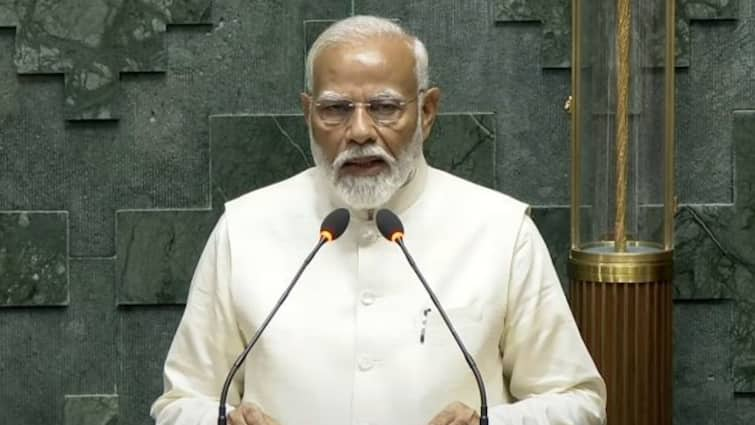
470, 199
272, 198
275, 207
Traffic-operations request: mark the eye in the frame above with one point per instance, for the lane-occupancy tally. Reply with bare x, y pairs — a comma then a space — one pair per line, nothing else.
385, 107
336, 108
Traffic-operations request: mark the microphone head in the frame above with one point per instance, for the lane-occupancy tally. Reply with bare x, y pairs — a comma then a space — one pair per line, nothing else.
389, 225
334, 224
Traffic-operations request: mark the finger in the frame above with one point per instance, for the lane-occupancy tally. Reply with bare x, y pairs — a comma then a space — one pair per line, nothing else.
463, 412
443, 418
469, 418
254, 416
465, 420
236, 417
270, 421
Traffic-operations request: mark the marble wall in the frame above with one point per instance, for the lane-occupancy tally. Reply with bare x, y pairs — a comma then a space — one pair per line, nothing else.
125, 125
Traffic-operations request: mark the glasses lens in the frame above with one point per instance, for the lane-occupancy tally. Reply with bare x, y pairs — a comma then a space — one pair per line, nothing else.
335, 112
385, 110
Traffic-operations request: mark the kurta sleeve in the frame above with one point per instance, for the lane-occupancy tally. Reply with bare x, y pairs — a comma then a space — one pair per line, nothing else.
205, 345
545, 362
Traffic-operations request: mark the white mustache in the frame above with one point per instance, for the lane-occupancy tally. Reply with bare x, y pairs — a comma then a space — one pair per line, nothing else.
363, 151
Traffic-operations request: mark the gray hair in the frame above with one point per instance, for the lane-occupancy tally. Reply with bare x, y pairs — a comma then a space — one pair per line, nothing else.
361, 27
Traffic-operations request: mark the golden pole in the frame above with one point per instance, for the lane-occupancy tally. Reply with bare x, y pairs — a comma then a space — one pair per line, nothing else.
623, 39
670, 98
574, 110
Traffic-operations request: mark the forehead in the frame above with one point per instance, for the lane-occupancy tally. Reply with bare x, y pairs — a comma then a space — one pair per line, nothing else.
362, 68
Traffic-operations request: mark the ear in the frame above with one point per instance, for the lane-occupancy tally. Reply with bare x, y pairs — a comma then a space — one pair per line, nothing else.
430, 103
306, 104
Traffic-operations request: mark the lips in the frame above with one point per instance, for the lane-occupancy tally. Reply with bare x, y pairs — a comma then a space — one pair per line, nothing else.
364, 166
364, 161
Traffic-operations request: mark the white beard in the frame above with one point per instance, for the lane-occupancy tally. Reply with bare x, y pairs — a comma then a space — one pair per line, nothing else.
369, 192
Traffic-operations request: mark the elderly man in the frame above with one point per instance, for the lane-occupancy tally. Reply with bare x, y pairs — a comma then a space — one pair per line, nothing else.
358, 341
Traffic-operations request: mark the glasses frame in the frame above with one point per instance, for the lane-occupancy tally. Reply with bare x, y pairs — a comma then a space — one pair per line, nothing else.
354, 104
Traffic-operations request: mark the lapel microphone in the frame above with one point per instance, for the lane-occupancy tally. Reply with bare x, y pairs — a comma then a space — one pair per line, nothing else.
331, 229
391, 228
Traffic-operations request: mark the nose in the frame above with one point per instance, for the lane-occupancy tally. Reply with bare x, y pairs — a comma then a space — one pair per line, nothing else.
361, 127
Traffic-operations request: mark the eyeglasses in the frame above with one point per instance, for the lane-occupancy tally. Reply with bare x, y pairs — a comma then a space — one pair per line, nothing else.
384, 110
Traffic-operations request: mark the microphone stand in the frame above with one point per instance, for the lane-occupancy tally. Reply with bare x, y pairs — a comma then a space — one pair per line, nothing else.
468, 357
222, 417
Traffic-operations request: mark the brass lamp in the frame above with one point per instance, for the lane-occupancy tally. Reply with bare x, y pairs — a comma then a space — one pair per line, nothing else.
622, 207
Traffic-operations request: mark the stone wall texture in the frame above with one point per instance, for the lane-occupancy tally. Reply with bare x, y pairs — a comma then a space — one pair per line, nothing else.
125, 125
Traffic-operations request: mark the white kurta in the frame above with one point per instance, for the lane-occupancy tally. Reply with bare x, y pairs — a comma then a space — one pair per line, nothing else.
346, 348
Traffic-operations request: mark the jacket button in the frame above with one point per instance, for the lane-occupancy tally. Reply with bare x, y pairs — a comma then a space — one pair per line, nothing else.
367, 298
368, 237
364, 363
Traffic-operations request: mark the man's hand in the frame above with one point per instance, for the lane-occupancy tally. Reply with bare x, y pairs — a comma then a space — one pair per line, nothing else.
250, 414
456, 413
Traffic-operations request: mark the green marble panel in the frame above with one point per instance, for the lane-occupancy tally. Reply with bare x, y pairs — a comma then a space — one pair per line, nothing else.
156, 252
703, 269
8, 16
716, 254
464, 145
555, 16
533, 155
519, 10
93, 41
715, 260
252, 151
698, 10
96, 409
708, 9
86, 365
46, 353
32, 138
144, 336
91, 180
722, 80
554, 225
744, 410
33, 258
31, 170
740, 235
312, 29
743, 137
30, 365
702, 363
556, 32
101, 168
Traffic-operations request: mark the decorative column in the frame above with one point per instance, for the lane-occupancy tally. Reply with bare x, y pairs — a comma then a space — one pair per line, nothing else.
622, 183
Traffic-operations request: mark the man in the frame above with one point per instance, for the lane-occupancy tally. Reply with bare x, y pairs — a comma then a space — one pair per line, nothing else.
358, 341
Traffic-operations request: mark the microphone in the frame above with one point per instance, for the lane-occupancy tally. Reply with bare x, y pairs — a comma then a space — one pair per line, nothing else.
332, 228
391, 228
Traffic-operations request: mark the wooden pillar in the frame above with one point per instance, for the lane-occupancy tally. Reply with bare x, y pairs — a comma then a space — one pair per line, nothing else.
625, 318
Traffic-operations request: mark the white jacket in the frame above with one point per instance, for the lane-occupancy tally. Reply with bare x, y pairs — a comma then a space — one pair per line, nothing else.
347, 346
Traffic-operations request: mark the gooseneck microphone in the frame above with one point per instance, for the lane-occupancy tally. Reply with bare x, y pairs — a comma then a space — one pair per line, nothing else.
332, 227
391, 228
